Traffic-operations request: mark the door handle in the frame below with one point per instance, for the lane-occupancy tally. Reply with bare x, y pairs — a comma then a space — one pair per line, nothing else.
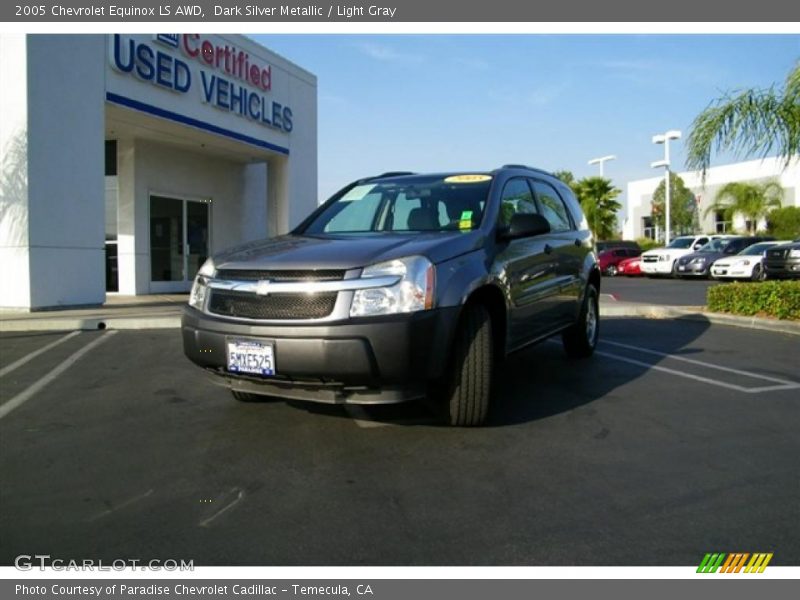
548, 248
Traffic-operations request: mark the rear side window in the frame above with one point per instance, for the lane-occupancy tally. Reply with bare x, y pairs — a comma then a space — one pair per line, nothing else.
552, 206
517, 198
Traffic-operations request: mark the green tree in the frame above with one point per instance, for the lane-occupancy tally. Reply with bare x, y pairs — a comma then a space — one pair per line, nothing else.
566, 176
682, 206
784, 223
749, 122
597, 197
752, 200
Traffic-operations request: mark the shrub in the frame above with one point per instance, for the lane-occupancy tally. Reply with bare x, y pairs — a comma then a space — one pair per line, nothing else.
784, 223
779, 299
647, 244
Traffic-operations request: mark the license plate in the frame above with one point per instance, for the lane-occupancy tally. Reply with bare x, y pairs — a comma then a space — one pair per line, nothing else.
681, 268
247, 356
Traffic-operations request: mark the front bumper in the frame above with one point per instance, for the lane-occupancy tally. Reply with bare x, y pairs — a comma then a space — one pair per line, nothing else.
787, 269
692, 269
368, 360
662, 267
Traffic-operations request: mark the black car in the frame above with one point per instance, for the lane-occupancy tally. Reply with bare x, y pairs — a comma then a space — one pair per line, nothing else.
698, 264
783, 262
398, 287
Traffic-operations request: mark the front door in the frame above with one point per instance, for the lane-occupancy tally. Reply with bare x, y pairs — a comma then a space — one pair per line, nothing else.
179, 242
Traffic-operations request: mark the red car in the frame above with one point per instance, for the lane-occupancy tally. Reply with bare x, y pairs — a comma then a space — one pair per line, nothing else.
609, 260
630, 266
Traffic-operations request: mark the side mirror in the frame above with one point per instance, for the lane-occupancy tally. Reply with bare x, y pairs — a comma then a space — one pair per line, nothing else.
525, 225
697, 246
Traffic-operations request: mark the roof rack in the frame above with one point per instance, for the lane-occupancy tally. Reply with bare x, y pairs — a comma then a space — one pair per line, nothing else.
393, 174
526, 167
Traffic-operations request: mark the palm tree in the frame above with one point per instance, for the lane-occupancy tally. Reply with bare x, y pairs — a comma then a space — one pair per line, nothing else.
753, 200
596, 195
749, 122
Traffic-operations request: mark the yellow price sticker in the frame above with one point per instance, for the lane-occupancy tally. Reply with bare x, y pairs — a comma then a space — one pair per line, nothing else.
467, 178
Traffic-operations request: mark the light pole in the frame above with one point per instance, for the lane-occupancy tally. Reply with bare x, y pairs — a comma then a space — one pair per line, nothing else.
664, 138
601, 160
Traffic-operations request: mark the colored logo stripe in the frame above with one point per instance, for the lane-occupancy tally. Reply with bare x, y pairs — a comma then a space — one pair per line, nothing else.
734, 562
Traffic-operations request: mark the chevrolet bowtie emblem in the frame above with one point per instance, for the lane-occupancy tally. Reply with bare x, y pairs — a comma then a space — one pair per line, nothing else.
263, 287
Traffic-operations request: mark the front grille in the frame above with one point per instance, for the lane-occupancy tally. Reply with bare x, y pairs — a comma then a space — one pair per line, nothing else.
776, 254
650, 258
277, 275
274, 306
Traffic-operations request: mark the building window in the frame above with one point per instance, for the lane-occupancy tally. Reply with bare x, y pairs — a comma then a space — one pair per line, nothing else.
111, 158
720, 224
647, 228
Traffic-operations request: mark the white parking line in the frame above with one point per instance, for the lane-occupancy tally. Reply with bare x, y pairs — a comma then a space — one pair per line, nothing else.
782, 383
29, 357
239, 495
28, 393
120, 506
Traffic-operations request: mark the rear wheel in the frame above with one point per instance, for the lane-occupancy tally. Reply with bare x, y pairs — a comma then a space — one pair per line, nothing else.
581, 338
612, 271
470, 376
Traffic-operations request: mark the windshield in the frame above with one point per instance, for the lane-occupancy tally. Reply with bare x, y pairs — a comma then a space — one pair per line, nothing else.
681, 242
717, 245
408, 204
756, 249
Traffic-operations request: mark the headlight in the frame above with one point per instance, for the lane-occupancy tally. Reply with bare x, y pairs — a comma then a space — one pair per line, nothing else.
198, 294
746, 262
663, 257
794, 253
413, 292
699, 260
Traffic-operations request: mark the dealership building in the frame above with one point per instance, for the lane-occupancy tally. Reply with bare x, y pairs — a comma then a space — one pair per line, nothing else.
128, 159
639, 222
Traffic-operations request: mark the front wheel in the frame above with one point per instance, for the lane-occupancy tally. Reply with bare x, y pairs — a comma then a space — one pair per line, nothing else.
470, 376
611, 271
759, 273
580, 339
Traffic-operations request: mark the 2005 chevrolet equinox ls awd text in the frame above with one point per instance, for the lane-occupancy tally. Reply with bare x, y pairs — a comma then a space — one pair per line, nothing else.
401, 286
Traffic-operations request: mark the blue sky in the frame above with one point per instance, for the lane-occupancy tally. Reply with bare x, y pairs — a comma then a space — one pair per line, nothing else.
451, 102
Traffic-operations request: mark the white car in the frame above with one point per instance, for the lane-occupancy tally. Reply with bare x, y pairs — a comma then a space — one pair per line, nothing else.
661, 261
748, 264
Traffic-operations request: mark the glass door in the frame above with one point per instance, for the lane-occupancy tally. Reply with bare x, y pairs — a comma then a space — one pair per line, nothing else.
179, 242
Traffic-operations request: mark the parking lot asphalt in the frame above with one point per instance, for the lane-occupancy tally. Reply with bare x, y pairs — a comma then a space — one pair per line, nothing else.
676, 439
672, 292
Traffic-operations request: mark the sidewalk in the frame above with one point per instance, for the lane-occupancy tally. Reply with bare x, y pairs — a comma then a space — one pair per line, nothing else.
164, 312
119, 312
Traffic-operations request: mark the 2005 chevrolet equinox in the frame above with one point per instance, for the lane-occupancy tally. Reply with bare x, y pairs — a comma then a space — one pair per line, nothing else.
401, 286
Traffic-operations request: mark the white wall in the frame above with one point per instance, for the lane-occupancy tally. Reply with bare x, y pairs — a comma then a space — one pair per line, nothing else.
64, 133
14, 254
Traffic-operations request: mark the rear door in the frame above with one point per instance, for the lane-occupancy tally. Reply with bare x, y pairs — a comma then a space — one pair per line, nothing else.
563, 243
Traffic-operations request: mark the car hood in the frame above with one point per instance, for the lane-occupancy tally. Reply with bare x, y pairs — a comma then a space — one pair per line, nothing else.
314, 252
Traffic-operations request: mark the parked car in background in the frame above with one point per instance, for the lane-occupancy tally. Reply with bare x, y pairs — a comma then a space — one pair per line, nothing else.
662, 261
610, 259
748, 264
783, 262
698, 264
603, 245
630, 267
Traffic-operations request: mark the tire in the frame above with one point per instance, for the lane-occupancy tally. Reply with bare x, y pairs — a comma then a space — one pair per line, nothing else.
245, 397
580, 339
612, 271
759, 273
470, 374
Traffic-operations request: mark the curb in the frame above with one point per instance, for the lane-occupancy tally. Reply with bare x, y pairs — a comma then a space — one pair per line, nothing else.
651, 311
90, 323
